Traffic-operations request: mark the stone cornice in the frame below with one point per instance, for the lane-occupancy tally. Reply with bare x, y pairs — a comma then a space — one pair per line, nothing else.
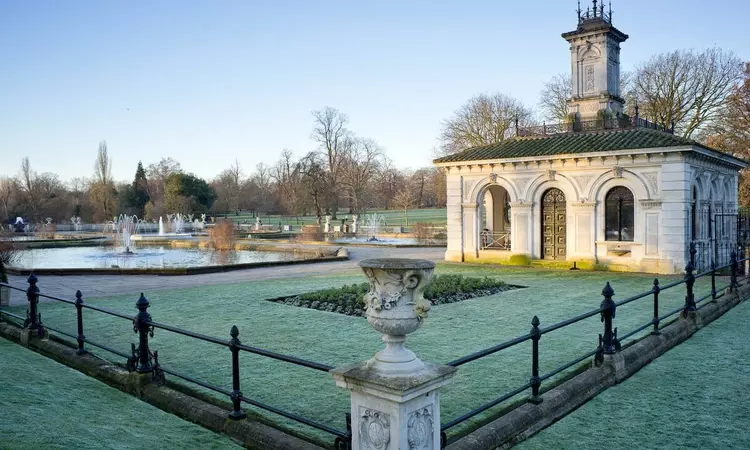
521, 204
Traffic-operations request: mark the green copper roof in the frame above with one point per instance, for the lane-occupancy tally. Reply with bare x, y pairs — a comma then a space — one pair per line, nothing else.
572, 143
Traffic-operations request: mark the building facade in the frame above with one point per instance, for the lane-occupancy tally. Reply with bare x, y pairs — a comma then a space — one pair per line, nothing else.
602, 188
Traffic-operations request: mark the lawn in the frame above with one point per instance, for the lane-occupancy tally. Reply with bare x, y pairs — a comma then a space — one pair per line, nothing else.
393, 217
451, 331
47, 405
692, 397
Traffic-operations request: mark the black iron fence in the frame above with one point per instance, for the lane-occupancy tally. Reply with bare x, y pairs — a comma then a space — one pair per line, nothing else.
142, 360
715, 235
608, 340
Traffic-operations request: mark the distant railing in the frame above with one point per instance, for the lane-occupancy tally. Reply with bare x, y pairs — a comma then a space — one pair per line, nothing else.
494, 240
142, 360
578, 126
609, 341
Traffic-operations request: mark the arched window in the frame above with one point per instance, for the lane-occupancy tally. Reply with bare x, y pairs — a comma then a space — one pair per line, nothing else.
619, 215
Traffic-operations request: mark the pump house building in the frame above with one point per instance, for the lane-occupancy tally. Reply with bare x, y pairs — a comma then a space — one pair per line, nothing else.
600, 188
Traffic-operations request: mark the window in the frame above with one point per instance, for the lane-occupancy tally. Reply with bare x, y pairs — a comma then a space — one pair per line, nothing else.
619, 214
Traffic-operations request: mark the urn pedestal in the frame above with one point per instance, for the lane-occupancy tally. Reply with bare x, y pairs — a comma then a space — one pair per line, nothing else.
395, 400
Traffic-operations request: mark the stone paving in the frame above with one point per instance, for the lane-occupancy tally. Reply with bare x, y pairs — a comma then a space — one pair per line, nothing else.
104, 285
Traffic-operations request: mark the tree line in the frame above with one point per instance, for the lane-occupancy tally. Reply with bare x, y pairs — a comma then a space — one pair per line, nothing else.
345, 172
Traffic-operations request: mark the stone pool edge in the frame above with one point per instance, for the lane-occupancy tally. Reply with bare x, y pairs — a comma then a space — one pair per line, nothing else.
340, 255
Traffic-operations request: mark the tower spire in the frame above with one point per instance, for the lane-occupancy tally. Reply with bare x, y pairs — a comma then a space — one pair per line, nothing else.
579, 11
595, 8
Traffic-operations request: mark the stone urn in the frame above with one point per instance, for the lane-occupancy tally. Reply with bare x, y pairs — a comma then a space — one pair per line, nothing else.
395, 306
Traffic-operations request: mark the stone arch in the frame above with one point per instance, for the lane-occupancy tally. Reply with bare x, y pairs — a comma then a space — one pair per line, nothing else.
540, 184
588, 52
479, 189
606, 181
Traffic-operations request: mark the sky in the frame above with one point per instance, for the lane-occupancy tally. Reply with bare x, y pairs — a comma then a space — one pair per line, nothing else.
211, 82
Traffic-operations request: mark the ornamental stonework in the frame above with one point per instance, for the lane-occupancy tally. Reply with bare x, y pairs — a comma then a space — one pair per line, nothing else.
420, 429
374, 429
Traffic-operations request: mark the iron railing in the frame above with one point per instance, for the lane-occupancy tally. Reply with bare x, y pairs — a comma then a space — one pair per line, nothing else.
494, 240
142, 360
608, 341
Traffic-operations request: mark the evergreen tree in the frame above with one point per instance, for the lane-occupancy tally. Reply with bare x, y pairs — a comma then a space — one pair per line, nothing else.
140, 191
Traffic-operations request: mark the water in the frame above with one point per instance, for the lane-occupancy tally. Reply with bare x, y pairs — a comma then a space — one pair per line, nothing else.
372, 225
150, 257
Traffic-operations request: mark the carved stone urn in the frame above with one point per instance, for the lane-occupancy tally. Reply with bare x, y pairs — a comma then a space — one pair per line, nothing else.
395, 306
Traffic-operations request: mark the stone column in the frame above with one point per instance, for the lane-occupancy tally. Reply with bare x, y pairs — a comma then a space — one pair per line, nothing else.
395, 400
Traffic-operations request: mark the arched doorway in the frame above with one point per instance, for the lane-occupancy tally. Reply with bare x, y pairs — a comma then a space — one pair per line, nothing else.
553, 224
494, 219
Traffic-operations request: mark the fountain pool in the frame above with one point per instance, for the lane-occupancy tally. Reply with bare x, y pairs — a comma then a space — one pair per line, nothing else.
152, 257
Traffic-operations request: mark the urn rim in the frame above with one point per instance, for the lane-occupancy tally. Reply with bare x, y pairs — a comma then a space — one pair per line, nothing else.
396, 263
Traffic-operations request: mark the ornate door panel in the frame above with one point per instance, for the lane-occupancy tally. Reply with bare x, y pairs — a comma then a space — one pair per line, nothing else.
553, 224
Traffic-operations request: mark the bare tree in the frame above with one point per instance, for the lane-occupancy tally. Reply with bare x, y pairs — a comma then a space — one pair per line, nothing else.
314, 177
405, 199
361, 162
484, 119
103, 165
555, 96
686, 88
8, 192
557, 92
330, 133
30, 187
731, 132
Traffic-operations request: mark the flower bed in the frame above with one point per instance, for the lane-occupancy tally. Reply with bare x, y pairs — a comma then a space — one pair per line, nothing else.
348, 299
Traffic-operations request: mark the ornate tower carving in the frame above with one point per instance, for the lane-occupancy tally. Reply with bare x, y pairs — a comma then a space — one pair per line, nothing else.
595, 63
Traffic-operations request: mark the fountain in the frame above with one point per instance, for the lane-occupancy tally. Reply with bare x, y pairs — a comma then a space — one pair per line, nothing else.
177, 222
125, 227
372, 224
161, 226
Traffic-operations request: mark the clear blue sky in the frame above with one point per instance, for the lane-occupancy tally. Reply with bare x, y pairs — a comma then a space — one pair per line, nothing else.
206, 82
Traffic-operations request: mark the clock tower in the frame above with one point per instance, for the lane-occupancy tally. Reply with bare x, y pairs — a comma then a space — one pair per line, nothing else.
595, 64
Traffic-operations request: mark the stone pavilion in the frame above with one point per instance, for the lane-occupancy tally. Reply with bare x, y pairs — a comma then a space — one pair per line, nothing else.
601, 188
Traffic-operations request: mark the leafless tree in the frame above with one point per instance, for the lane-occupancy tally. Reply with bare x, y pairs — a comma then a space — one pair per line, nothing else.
314, 177
330, 133
103, 165
557, 92
8, 192
405, 199
362, 159
484, 119
554, 97
686, 88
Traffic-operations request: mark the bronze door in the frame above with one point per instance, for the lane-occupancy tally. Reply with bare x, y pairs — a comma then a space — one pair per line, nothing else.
553, 224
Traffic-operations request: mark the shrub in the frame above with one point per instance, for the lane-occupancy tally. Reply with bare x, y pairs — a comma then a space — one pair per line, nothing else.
311, 233
221, 235
442, 289
520, 260
423, 232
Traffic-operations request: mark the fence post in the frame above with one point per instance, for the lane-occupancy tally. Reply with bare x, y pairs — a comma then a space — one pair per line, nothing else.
237, 412
33, 318
713, 281
655, 321
689, 282
693, 251
536, 334
142, 327
733, 283
609, 341
79, 316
